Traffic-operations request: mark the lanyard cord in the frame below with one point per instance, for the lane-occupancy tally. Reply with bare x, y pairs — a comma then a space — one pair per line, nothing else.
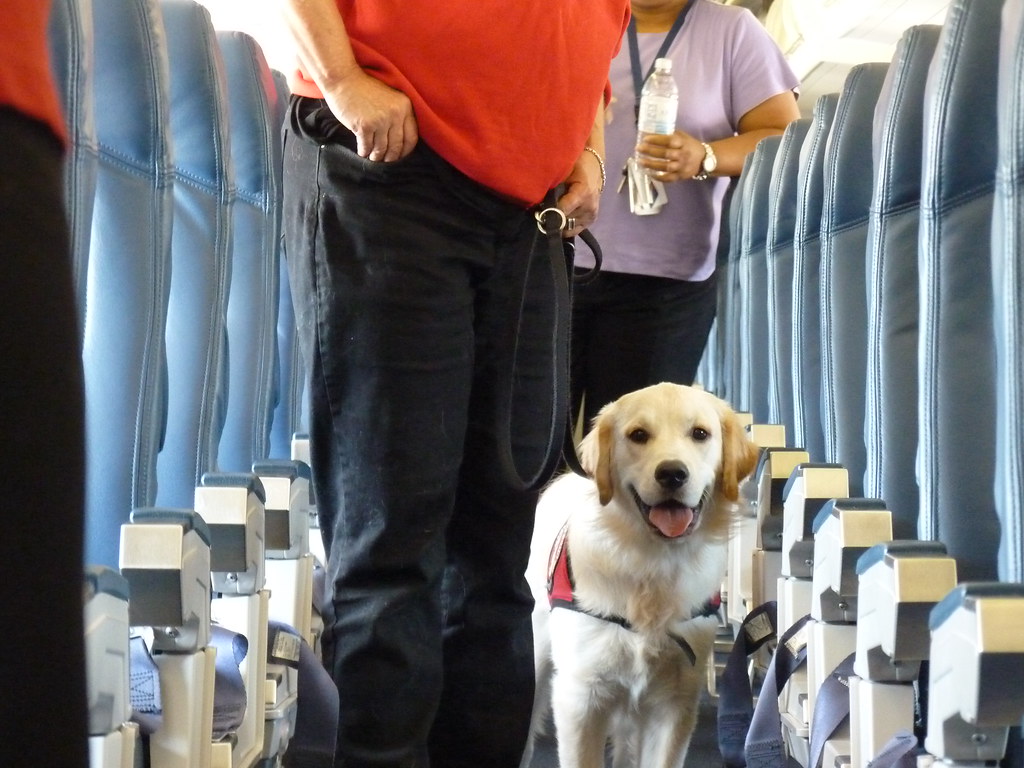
634, 53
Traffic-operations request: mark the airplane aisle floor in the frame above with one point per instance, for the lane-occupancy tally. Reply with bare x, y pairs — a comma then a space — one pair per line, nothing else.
703, 747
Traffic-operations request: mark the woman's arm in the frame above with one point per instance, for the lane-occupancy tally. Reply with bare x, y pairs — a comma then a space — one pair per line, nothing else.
679, 155
381, 118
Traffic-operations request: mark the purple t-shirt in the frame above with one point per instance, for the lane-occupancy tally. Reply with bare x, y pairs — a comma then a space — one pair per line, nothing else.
725, 64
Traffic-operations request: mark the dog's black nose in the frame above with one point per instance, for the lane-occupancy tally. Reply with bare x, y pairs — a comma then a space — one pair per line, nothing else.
671, 474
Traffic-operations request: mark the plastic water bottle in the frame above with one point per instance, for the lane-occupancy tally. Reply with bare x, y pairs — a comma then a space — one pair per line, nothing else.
659, 103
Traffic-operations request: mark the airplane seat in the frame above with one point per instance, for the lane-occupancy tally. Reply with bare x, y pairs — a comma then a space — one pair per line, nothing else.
806, 342
288, 415
233, 506
891, 428
129, 270
848, 172
165, 558
253, 294
710, 372
730, 285
977, 658
956, 374
753, 298
781, 229
113, 737
253, 386
71, 53
1008, 282
200, 250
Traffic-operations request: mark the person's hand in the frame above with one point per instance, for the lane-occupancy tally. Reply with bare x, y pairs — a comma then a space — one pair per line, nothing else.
583, 193
673, 157
381, 118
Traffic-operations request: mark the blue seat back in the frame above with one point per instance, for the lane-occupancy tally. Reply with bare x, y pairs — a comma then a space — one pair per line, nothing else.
71, 54
806, 349
957, 352
713, 370
844, 229
730, 289
129, 270
754, 337
252, 303
288, 415
1008, 281
891, 429
200, 251
782, 194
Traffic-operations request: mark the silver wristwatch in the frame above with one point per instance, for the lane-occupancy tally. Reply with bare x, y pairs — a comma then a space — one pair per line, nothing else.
708, 164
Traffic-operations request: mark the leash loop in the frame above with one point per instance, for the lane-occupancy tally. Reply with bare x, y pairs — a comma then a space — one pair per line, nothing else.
544, 215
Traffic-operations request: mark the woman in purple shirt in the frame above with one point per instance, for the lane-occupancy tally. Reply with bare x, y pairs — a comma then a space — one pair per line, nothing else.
646, 317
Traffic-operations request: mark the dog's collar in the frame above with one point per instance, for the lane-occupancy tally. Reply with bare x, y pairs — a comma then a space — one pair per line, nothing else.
562, 593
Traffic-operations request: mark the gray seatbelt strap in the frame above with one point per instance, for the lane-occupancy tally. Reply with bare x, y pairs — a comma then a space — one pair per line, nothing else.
831, 708
735, 699
897, 753
316, 721
229, 698
764, 747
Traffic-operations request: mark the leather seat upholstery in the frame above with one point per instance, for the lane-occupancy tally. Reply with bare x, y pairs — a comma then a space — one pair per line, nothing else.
848, 172
956, 376
129, 270
806, 349
893, 226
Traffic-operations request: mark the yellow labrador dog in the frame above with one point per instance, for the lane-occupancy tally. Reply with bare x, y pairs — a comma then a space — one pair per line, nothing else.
622, 568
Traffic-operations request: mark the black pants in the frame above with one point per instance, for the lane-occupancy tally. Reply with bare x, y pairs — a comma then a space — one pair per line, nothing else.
405, 276
42, 673
631, 331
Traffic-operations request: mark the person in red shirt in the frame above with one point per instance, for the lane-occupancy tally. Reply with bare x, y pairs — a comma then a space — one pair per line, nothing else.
421, 141
42, 674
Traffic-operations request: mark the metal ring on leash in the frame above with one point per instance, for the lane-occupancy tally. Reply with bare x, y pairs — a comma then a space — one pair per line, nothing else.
540, 216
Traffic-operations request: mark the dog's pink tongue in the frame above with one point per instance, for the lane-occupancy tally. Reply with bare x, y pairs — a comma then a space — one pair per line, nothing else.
671, 519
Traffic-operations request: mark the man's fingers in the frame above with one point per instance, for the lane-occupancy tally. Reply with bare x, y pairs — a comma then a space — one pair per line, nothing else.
411, 134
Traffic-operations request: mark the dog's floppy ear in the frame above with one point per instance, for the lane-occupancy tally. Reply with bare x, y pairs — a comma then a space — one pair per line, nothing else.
739, 454
596, 453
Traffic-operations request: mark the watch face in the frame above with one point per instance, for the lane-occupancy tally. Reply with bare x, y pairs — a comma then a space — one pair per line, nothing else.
710, 160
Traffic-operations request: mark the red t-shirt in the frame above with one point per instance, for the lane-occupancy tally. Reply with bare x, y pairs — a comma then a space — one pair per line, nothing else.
26, 81
506, 93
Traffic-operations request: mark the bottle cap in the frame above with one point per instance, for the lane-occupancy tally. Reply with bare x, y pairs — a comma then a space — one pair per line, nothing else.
665, 65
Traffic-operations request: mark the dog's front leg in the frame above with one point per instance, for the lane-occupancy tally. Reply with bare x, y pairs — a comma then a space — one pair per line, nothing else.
667, 722
581, 723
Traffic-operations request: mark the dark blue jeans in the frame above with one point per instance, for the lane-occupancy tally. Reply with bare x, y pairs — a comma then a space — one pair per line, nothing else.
405, 278
42, 451
631, 331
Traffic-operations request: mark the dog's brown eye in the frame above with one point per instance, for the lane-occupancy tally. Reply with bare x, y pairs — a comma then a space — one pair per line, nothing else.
639, 436
700, 435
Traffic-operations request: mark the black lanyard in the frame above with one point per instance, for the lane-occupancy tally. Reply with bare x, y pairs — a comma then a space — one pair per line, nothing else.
634, 53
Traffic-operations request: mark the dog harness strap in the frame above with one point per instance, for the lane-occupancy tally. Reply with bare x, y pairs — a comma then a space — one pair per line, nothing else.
686, 648
562, 592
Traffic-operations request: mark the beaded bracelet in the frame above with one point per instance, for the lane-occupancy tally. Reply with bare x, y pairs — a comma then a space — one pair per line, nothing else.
600, 162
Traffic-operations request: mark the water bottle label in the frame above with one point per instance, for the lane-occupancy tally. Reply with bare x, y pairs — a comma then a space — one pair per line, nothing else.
658, 114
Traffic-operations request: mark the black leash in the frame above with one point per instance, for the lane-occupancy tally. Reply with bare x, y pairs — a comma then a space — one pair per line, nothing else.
560, 444
572, 458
